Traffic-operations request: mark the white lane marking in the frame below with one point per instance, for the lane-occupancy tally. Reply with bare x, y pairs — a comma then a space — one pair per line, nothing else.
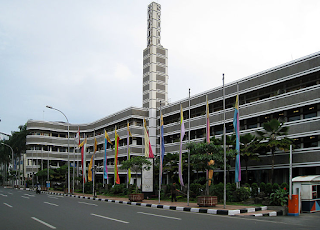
87, 203
150, 214
51, 204
25, 197
44, 223
26, 194
10, 193
53, 197
7, 205
108, 218
3, 195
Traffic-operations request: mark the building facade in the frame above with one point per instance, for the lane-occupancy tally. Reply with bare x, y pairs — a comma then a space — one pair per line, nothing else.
288, 92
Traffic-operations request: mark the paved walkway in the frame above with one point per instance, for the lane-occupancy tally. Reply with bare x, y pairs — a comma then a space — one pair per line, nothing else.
183, 206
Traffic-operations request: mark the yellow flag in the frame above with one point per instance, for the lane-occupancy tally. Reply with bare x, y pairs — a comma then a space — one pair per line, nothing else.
107, 136
95, 145
90, 169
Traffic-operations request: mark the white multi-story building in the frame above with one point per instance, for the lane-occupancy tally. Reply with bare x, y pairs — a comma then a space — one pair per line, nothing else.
289, 92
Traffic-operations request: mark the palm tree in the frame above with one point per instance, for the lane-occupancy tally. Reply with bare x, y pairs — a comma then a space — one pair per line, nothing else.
272, 138
248, 146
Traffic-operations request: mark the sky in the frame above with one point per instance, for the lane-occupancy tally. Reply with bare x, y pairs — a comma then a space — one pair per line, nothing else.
85, 57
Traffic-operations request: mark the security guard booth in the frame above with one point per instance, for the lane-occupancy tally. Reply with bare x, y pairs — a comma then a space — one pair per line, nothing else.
308, 190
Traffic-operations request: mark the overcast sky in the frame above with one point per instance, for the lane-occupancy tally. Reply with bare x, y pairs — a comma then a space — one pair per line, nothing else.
85, 57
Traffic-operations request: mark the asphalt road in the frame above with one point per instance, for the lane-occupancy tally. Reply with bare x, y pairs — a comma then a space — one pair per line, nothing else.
20, 209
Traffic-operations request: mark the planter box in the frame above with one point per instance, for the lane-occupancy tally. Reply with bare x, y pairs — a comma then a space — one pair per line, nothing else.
136, 197
207, 201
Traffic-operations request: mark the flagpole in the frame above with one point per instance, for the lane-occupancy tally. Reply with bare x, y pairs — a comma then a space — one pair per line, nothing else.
128, 154
128, 141
188, 191
74, 157
78, 154
160, 165
94, 151
224, 148
238, 183
104, 160
84, 164
74, 163
115, 143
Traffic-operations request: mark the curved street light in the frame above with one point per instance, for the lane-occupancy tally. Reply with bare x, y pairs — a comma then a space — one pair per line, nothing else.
12, 160
50, 107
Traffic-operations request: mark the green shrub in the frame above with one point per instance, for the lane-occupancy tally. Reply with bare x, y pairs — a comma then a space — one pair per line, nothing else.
279, 197
117, 189
88, 187
230, 191
275, 187
262, 187
268, 189
195, 189
218, 190
241, 194
254, 189
284, 185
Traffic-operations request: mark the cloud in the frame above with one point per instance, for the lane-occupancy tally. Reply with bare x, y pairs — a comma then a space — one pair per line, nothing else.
86, 58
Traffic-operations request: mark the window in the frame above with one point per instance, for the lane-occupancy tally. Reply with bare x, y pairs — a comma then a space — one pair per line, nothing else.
309, 111
297, 143
314, 191
310, 142
229, 128
280, 117
294, 114
218, 129
264, 119
252, 123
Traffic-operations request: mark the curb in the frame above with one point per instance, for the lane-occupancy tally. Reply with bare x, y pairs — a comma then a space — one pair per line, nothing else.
185, 209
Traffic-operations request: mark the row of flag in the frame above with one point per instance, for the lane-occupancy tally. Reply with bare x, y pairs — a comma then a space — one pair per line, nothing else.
83, 146
149, 152
211, 162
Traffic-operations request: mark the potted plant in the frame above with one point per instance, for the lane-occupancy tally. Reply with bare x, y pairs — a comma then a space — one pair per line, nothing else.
201, 155
136, 164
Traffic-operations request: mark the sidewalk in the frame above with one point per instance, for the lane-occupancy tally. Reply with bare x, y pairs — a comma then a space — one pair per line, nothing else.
182, 206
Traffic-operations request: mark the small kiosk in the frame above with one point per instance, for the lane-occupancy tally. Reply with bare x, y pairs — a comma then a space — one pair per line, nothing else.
308, 187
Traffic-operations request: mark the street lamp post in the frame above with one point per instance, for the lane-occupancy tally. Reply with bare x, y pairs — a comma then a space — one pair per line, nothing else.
50, 107
12, 160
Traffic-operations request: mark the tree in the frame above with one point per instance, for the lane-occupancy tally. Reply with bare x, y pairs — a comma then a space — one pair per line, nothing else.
201, 153
43, 174
273, 138
137, 164
17, 141
230, 149
248, 146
